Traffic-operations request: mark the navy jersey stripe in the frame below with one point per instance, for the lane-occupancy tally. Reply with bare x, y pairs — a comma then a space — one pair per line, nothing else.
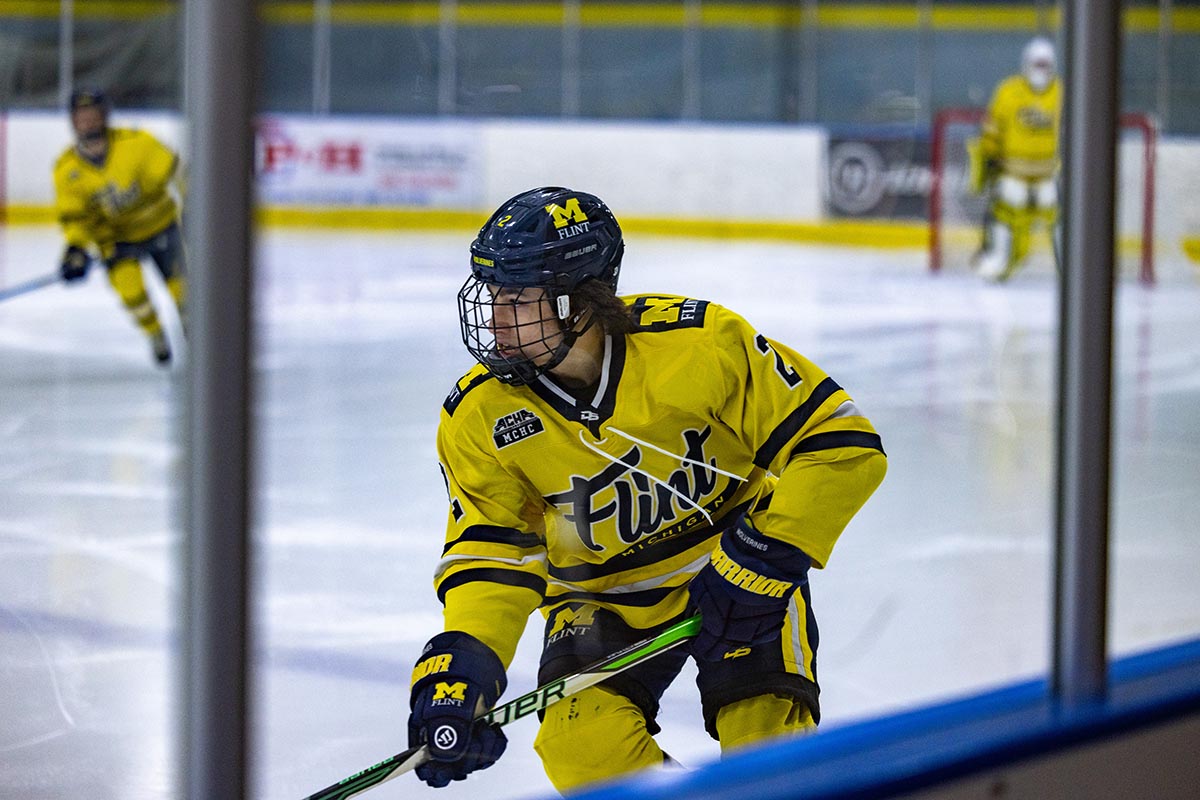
498, 535
835, 439
794, 422
508, 577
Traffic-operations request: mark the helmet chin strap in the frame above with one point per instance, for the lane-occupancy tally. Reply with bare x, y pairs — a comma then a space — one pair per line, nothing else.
569, 334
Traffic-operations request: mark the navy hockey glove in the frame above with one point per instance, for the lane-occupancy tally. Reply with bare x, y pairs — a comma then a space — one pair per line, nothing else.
457, 678
742, 594
75, 264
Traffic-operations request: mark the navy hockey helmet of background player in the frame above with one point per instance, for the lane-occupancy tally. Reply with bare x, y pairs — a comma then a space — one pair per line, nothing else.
549, 238
89, 98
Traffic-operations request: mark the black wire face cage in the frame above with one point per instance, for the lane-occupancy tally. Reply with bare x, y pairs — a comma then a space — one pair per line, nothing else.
518, 333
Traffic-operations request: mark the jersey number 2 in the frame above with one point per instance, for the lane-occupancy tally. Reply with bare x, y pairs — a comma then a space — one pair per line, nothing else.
789, 375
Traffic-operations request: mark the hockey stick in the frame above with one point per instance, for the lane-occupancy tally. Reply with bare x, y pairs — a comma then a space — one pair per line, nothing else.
537, 700
30, 285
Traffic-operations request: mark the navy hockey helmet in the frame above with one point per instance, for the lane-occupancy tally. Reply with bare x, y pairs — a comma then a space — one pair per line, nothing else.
550, 237
89, 98
533, 252
90, 134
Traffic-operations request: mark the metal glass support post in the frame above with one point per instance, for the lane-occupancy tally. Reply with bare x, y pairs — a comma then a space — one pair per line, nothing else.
447, 57
322, 76
923, 84
66, 51
810, 78
1092, 38
572, 58
1166, 34
690, 64
220, 59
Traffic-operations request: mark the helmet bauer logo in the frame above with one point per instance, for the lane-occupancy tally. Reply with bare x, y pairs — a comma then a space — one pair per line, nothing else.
445, 737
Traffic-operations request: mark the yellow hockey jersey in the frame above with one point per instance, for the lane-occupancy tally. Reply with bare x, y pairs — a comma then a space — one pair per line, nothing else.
617, 496
124, 199
1021, 128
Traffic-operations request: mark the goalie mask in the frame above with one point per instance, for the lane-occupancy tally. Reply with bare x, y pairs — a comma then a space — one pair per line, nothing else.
1038, 64
516, 311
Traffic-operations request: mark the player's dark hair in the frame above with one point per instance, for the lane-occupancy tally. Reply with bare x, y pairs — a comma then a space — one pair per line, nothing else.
608, 310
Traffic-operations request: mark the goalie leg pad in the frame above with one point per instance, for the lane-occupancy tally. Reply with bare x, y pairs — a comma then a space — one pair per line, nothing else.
1045, 195
1012, 192
594, 735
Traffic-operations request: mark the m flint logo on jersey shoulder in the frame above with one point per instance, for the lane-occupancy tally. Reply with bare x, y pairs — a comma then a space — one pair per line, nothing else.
571, 621
666, 313
569, 219
516, 426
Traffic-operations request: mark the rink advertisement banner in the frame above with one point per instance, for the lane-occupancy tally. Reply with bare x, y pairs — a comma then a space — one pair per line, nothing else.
877, 174
342, 162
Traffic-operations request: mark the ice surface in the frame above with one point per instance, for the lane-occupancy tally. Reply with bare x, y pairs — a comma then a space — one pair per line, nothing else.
941, 585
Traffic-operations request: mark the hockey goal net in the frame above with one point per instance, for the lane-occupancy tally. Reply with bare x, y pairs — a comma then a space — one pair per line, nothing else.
956, 214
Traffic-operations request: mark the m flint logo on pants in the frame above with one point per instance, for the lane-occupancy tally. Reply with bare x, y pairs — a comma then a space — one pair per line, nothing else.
571, 622
516, 426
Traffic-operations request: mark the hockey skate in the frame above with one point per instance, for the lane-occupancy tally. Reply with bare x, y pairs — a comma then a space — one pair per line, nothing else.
161, 348
992, 261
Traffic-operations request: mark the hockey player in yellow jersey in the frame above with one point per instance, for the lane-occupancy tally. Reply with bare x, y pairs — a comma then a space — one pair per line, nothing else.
1018, 161
619, 463
113, 198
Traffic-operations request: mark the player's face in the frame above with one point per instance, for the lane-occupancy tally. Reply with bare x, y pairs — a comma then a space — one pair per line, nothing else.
524, 324
90, 131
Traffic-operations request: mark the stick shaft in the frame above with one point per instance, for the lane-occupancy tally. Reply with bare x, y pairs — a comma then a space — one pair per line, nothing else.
29, 285
537, 700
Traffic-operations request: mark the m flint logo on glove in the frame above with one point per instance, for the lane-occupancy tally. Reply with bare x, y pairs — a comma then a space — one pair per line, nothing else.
449, 694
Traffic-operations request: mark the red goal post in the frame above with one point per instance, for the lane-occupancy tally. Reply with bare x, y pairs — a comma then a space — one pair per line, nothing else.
948, 118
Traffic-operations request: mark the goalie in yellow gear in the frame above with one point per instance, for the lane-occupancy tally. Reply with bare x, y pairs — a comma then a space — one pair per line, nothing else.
113, 196
1015, 160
